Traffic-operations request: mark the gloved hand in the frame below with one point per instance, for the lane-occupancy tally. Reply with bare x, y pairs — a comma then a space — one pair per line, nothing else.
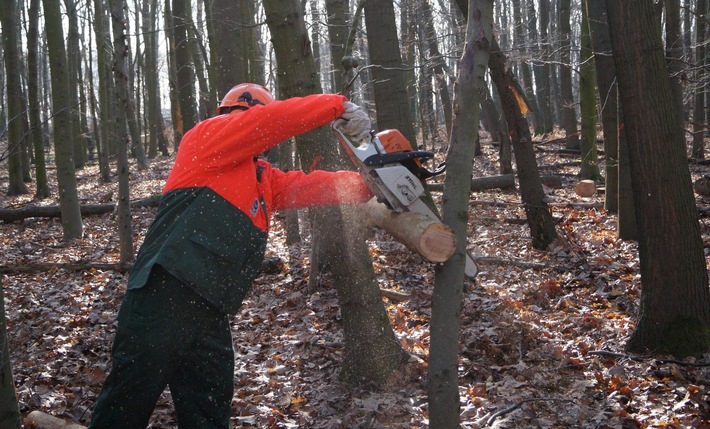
354, 123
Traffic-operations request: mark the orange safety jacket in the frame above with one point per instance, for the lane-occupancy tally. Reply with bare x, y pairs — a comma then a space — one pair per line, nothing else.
211, 227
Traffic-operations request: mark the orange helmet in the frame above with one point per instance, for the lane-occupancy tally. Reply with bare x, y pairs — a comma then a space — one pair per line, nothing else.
245, 95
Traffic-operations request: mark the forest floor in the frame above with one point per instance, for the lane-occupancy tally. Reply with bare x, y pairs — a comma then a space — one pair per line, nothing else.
542, 341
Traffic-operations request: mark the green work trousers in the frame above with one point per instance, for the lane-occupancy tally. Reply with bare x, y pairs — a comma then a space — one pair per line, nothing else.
168, 335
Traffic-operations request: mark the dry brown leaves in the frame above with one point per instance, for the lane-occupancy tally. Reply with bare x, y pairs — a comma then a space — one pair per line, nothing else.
540, 347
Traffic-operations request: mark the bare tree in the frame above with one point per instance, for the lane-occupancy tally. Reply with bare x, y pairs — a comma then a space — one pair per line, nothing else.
9, 410
61, 123
120, 72
675, 298
15, 99
42, 189
448, 287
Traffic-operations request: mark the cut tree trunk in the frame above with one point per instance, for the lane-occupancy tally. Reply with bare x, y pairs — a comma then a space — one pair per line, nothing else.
432, 239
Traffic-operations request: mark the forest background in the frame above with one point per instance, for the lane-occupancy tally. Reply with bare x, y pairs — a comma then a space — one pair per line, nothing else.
591, 310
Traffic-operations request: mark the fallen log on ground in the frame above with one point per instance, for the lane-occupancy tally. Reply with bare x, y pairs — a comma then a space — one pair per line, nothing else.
270, 265
502, 181
13, 215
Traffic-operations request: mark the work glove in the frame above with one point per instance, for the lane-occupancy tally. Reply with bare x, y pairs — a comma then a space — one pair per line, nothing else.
354, 123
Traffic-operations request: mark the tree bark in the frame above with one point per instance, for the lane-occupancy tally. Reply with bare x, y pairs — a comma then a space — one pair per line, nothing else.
9, 410
185, 76
699, 129
568, 111
542, 227
387, 73
675, 298
42, 189
608, 94
447, 298
588, 104
431, 239
120, 54
61, 103
15, 100
366, 325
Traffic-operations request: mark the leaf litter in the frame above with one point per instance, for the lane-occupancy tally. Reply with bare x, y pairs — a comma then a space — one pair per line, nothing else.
542, 345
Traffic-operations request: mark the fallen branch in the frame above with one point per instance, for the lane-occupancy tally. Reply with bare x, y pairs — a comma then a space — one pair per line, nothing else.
502, 181
270, 265
13, 215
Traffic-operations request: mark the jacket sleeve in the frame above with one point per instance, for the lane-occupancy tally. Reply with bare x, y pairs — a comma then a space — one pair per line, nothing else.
235, 138
296, 189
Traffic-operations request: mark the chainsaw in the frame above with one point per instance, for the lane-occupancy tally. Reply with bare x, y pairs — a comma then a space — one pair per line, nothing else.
396, 174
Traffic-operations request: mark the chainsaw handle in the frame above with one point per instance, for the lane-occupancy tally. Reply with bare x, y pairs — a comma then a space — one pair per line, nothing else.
380, 160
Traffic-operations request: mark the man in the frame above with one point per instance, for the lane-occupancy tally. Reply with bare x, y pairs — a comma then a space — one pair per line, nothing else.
204, 249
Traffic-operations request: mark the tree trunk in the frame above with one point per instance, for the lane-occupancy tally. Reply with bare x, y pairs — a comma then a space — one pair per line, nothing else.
674, 54
15, 100
437, 58
606, 82
385, 54
447, 297
178, 128
42, 190
61, 103
588, 102
336, 11
541, 64
520, 43
185, 75
9, 410
542, 227
568, 110
103, 49
430, 238
224, 27
699, 128
120, 54
675, 298
365, 322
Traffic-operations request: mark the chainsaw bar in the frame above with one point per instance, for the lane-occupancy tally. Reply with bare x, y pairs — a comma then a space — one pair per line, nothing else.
392, 183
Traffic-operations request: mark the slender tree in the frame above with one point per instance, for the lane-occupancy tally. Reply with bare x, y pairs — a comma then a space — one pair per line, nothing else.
447, 298
103, 53
387, 71
542, 227
185, 76
42, 189
588, 105
9, 410
699, 129
437, 60
224, 28
120, 72
61, 123
15, 99
674, 53
568, 111
74, 74
606, 83
675, 298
